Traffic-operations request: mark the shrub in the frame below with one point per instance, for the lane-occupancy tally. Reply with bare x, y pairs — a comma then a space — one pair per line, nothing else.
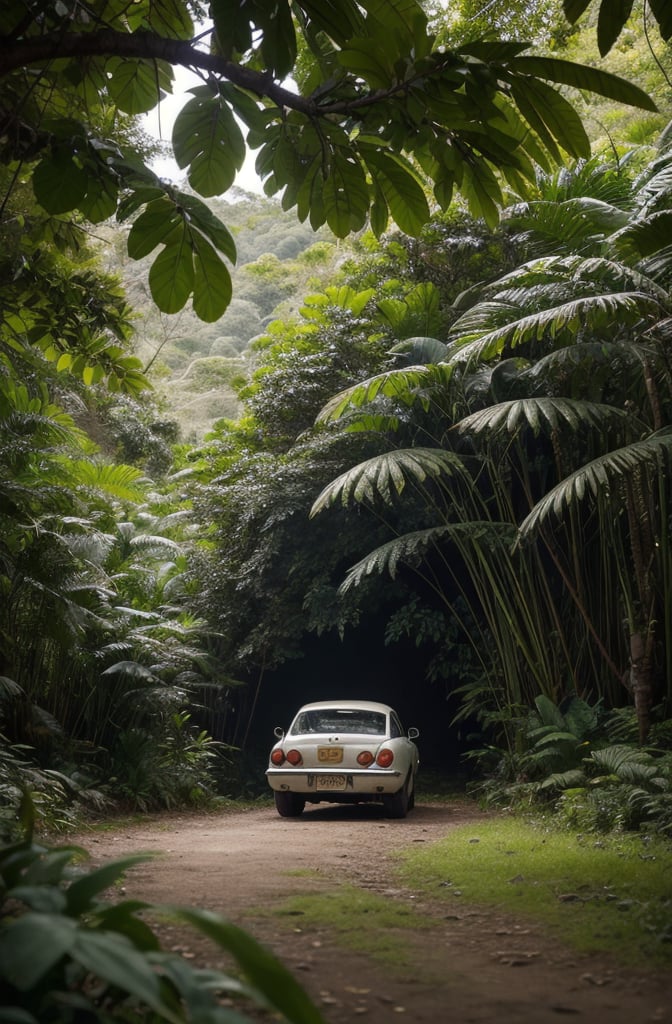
68, 955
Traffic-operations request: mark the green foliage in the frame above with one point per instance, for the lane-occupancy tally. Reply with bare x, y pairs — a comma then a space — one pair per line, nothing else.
166, 765
67, 951
386, 112
571, 758
522, 425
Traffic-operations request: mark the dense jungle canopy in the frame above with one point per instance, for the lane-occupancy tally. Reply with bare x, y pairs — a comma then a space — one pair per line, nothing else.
401, 425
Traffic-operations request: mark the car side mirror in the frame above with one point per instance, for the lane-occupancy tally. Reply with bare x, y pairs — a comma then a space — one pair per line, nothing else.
279, 733
413, 733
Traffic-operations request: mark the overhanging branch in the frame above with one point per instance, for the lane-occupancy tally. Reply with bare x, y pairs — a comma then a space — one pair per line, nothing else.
30, 51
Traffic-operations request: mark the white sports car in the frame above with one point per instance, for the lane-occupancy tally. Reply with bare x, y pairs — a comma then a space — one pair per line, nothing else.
347, 751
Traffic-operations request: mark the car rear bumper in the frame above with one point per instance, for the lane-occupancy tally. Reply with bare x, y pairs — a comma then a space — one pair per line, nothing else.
319, 782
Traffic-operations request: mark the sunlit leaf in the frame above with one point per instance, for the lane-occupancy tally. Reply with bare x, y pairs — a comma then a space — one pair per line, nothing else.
207, 139
212, 282
136, 86
171, 276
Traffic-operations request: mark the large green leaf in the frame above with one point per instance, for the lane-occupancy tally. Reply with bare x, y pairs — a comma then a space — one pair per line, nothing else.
136, 86
100, 202
582, 76
372, 63
82, 893
403, 19
610, 22
171, 276
212, 282
345, 196
559, 116
482, 191
169, 18
340, 19
32, 944
662, 11
400, 186
114, 959
574, 8
265, 972
207, 139
202, 218
59, 182
159, 222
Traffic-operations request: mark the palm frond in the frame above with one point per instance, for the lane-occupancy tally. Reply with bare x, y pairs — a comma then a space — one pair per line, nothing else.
420, 350
411, 548
596, 478
385, 475
596, 313
401, 384
126, 483
130, 670
541, 415
577, 224
643, 236
153, 544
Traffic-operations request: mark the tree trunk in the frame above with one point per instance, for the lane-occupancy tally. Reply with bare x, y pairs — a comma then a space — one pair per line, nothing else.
640, 681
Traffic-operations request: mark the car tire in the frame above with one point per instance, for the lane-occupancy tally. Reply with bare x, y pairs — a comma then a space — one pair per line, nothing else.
397, 805
289, 805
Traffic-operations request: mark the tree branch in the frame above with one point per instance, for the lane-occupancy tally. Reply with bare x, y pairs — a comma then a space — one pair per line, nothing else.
148, 46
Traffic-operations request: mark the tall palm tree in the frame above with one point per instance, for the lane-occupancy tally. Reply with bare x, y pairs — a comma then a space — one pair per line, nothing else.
562, 521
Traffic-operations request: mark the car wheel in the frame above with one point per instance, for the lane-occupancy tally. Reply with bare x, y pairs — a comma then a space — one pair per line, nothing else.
397, 805
289, 805
411, 796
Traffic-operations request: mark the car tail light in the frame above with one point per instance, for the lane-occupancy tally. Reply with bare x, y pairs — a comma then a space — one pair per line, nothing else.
385, 758
365, 758
278, 757
294, 757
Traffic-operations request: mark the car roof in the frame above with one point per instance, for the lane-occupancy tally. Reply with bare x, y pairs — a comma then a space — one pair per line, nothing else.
347, 705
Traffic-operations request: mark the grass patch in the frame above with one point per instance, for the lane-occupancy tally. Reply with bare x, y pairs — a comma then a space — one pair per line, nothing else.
361, 921
611, 895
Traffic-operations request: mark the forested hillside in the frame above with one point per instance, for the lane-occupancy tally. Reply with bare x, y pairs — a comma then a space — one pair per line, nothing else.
400, 429
195, 366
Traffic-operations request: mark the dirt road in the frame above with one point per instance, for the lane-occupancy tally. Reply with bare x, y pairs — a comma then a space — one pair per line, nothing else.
476, 965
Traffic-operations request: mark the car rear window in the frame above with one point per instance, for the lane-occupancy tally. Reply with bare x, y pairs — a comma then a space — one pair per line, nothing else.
340, 720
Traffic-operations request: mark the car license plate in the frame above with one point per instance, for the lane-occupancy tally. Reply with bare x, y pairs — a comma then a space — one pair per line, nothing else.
330, 755
330, 782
